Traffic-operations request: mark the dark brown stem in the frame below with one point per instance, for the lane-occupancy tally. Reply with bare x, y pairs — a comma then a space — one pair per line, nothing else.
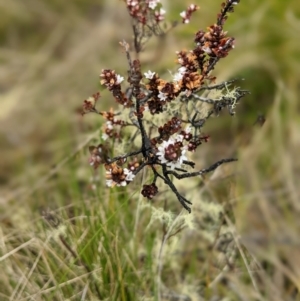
202, 171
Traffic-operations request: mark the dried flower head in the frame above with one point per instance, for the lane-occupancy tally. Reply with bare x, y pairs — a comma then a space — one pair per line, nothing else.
89, 105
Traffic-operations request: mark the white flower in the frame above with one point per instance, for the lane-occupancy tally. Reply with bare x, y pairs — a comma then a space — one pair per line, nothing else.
182, 70
153, 3
206, 49
161, 150
178, 163
123, 183
179, 75
188, 129
104, 136
162, 11
119, 79
149, 74
109, 125
160, 14
129, 175
183, 14
179, 138
162, 96
109, 183
132, 2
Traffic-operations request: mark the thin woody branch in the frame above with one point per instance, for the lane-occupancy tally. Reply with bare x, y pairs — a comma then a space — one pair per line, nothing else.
202, 171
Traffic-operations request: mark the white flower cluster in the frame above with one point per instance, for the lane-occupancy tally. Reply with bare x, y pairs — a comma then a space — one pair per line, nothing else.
172, 164
129, 177
162, 150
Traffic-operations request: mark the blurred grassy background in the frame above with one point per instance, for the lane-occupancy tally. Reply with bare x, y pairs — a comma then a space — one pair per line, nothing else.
51, 54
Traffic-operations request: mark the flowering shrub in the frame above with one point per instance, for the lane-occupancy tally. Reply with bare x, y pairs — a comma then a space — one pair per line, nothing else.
167, 116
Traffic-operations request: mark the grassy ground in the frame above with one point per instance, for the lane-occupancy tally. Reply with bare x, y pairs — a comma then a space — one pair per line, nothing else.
64, 236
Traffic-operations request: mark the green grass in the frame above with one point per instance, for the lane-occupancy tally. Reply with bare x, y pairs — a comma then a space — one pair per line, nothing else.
64, 236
